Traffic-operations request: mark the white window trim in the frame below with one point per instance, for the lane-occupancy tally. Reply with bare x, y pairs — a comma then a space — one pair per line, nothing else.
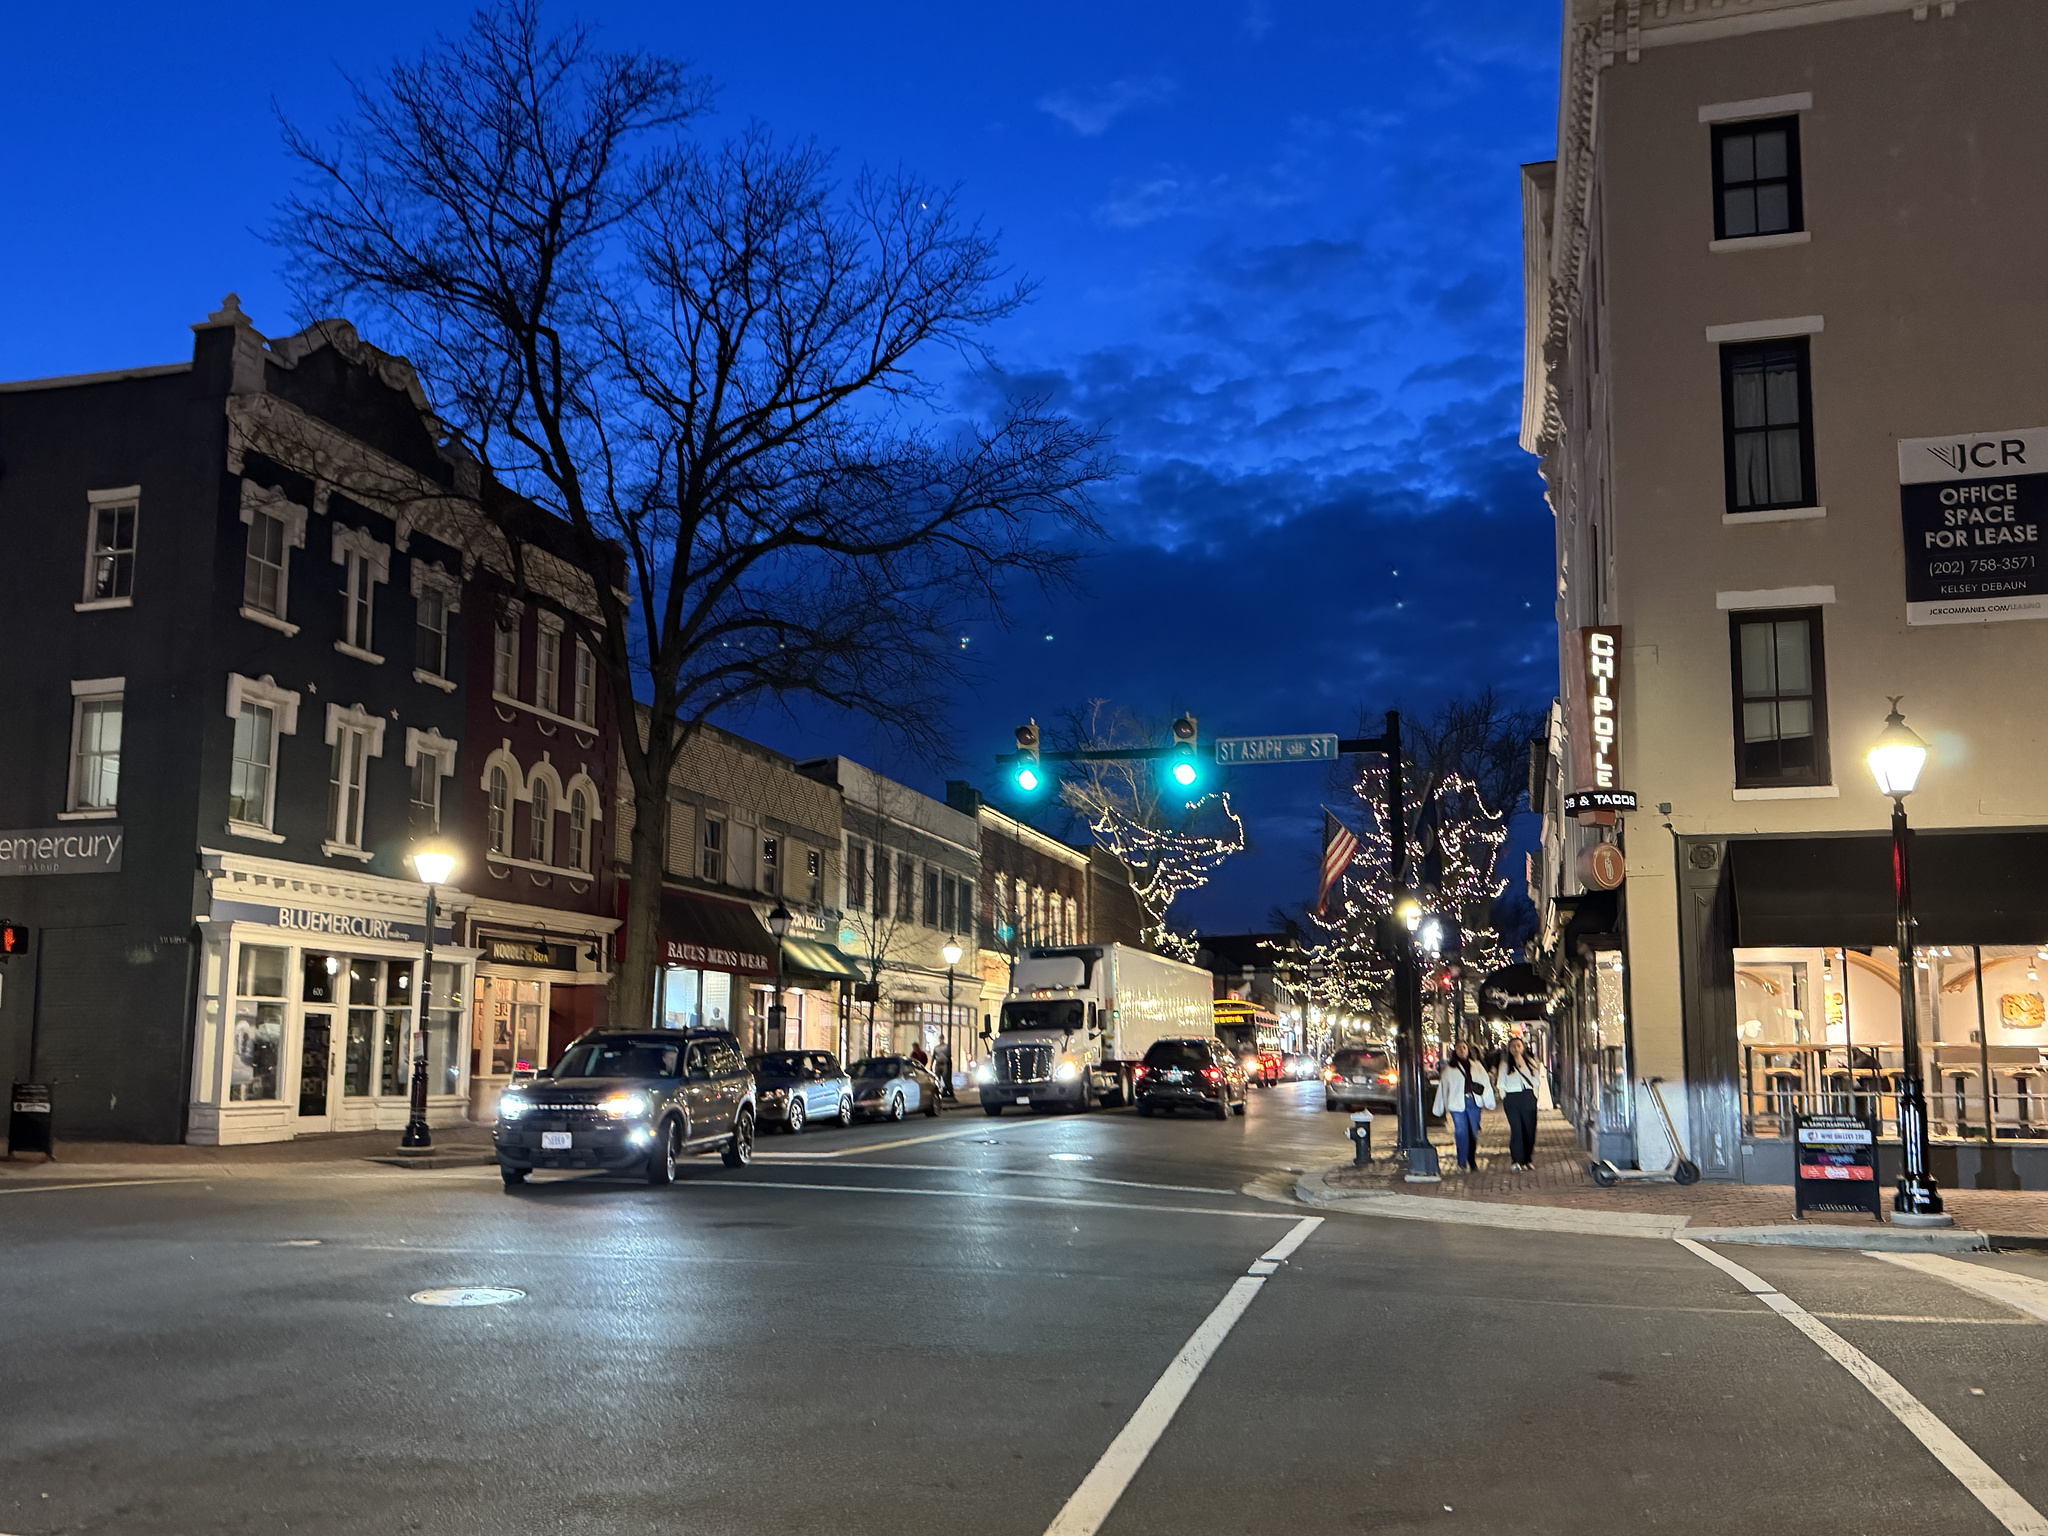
283, 705
1773, 515
580, 781
354, 717
545, 624
430, 743
94, 500
377, 563
433, 576
260, 498
433, 680
1774, 597
1757, 106
1768, 330
575, 672
1736, 243
515, 776
1791, 792
86, 691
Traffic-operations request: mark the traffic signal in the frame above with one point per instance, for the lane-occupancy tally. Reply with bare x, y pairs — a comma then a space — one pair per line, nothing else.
13, 939
1026, 773
1182, 767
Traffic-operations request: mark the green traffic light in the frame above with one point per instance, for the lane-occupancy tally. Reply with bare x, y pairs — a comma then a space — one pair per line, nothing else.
1184, 775
1028, 780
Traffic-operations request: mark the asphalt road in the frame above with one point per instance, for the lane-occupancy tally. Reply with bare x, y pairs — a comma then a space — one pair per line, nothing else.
944, 1326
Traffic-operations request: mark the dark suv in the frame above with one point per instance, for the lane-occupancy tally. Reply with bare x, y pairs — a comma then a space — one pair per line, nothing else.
1191, 1073
631, 1099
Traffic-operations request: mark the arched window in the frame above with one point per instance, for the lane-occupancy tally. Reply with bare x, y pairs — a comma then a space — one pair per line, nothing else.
541, 834
579, 829
501, 811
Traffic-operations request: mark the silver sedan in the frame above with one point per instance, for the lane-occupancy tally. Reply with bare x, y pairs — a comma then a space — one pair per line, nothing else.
799, 1088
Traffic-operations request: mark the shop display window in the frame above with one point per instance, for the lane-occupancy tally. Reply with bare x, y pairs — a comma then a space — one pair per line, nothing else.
444, 1029
395, 1050
259, 1024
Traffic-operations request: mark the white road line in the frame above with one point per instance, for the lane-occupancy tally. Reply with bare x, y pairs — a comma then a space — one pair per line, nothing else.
2022, 1293
1084, 1513
984, 1194
41, 1189
885, 1146
1277, 1254
1030, 1173
1964, 1464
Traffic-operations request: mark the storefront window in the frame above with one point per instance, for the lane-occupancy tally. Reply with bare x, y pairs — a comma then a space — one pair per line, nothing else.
444, 1029
717, 993
397, 1046
678, 998
360, 1061
1610, 1000
259, 1024
322, 975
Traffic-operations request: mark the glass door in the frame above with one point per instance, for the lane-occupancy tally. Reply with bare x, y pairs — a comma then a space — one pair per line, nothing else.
316, 1068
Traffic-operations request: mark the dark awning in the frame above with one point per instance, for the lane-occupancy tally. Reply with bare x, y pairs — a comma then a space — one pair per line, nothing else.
1968, 888
809, 963
1588, 915
716, 935
1513, 992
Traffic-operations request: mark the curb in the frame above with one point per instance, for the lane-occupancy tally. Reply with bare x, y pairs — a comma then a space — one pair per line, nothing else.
1310, 1190
431, 1160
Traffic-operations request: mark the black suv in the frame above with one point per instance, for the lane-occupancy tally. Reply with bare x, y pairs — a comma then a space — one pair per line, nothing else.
631, 1099
1192, 1073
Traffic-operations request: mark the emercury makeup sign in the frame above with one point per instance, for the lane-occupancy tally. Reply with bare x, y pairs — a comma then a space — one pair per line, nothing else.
93, 848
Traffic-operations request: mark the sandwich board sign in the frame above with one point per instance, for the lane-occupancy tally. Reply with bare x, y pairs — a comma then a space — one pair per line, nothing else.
1835, 1164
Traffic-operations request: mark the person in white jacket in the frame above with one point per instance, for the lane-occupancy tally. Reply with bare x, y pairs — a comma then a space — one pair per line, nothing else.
1516, 1082
1463, 1093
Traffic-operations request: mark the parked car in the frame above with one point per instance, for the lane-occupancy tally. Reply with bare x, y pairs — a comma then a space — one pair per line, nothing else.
796, 1088
1361, 1077
630, 1100
893, 1086
1192, 1072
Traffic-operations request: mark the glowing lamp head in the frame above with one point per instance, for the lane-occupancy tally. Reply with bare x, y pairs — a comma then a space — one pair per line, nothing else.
1184, 775
1897, 756
433, 865
952, 951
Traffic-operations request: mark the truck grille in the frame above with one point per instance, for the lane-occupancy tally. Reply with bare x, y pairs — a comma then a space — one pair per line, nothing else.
1024, 1064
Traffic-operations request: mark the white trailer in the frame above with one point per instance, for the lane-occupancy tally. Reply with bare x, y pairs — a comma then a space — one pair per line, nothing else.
1079, 1019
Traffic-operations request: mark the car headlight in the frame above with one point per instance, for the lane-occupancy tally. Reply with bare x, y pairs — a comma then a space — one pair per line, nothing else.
1065, 1072
626, 1106
984, 1073
511, 1106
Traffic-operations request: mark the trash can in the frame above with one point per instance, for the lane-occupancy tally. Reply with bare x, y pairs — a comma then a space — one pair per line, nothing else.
28, 1125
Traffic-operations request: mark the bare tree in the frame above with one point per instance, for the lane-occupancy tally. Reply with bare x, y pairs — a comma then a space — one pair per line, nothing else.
1167, 851
1484, 739
712, 365
888, 893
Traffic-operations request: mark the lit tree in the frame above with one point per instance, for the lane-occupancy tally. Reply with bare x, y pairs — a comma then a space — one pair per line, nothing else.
1166, 852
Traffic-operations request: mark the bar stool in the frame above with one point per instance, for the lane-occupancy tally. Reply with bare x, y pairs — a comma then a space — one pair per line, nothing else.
1961, 1077
1785, 1088
2023, 1096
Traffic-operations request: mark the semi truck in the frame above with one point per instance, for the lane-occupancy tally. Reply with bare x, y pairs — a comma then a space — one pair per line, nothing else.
1080, 1018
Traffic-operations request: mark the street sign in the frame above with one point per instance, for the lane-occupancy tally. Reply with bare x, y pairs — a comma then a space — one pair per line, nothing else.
1243, 751
1835, 1164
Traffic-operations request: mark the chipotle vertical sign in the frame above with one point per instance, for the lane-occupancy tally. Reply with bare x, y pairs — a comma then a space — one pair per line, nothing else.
1596, 709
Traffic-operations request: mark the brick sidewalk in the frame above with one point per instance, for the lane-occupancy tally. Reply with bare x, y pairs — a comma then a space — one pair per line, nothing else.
340, 1146
1560, 1179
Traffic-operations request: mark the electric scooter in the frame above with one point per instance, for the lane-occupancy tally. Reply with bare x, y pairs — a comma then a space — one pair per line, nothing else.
1680, 1170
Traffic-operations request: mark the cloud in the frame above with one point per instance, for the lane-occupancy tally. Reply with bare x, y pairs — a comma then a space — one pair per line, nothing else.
1090, 113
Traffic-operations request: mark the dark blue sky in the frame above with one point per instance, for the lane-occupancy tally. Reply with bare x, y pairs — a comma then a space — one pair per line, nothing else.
1277, 248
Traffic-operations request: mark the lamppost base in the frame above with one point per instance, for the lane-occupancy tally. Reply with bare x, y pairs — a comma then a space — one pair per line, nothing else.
1423, 1167
416, 1136
1918, 1203
1922, 1219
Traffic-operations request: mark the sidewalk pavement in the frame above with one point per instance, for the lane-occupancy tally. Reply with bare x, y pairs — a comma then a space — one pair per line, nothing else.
455, 1146
1558, 1194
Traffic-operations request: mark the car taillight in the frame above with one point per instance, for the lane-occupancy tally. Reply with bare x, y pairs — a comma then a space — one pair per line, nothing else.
1331, 1074
1212, 1073
1136, 1073
1387, 1077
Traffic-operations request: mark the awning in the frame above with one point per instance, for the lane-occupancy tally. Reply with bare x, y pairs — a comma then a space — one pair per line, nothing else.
714, 935
1513, 992
1968, 888
809, 963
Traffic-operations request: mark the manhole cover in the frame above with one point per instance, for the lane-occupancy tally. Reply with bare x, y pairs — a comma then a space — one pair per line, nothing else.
468, 1296
1071, 1157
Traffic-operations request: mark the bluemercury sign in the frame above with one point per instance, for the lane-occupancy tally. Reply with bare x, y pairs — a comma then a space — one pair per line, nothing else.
320, 924
90, 849
1973, 506
1596, 709
1239, 751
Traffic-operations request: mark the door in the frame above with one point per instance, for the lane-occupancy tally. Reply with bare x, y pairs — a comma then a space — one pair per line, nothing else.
820, 1096
316, 1068
699, 1091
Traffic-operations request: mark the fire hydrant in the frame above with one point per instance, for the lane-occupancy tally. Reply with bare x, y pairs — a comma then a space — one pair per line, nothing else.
1361, 1138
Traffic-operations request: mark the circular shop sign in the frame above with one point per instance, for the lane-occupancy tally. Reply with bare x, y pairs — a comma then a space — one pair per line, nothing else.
468, 1296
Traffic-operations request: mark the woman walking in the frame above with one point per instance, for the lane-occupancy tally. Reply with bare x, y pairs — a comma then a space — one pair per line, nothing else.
1517, 1085
1463, 1092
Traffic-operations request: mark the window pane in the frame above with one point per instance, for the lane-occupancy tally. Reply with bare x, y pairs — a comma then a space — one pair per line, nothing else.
501, 810
542, 824
1786, 476
1738, 213
1770, 162
1795, 718
1795, 658
1746, 395
249, 777
1773, 209
1752, 472
99, 754
1760, 722
262, 972
258, 1043
1738, 157
1781, 392
1759, 665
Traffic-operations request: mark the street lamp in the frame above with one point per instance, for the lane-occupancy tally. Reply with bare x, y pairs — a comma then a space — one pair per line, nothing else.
1896, 759
952, 952
434, 866
778, 924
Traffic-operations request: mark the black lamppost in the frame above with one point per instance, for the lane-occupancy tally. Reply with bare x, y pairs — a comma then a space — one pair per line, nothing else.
1895, 762
778, 1016
434, 866
952, 952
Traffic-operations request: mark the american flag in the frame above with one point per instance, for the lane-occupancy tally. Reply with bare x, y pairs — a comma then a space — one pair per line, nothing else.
1340, 843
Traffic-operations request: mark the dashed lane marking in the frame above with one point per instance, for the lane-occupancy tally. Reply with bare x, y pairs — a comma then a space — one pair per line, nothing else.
1943, 1443
985, 1194
1083, 1514
44, 1189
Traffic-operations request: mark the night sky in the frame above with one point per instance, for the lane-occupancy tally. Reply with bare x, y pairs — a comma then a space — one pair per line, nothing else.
1277, 248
